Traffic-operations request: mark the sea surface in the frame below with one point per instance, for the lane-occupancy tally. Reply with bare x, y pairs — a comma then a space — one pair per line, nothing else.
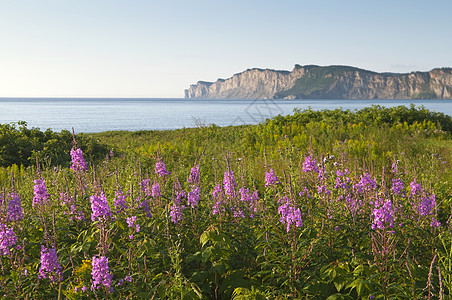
107, 114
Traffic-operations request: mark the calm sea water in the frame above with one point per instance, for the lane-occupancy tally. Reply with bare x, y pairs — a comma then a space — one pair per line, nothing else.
97, 115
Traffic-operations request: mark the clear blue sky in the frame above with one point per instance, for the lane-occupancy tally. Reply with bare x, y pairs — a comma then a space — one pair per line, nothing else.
112, 48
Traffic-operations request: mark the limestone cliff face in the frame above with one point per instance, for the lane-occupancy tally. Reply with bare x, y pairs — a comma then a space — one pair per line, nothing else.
333, 82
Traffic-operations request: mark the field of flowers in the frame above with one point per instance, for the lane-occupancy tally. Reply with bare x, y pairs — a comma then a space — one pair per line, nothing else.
317, 205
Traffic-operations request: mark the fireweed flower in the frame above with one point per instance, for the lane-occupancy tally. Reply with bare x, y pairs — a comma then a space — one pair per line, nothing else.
14, 212
41, 197
322, 189
193, 197
271, 178
310, 164
397, 187
435, 223
383, 216
78, 162
131, 223
216, 193
7, 239
415, 187
229, 183
120, 201
176, 213
155, 190
427, 205
160, 169
100, 208
365, 184
50, 267
289, 214
194, 175
101, 273
145, 206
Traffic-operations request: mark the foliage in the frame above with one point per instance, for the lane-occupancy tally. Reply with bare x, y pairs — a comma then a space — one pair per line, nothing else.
22, 146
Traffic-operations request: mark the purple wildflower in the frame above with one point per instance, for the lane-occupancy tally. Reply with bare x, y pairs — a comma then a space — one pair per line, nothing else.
229, 183
323, 189
7, 239
365, 184
397, 187
128, 278
427, 205
99, 206
289, 214
131, 223
78, 162
216, 193
435, 223
160, 169
146, 209
14, 208
271, 178
155, 190
193, 197
304, 191
41, 197
383, 215
176, 213
101, 273
194, 175
50, 267
415, 187
120, 201
310, 164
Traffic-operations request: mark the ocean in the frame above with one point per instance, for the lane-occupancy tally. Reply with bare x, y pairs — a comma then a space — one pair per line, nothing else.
131, 114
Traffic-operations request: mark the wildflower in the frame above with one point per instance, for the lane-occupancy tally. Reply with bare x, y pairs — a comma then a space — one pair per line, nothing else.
128, 278
365, 184
41, 196
193, 197
415, 187
194, 175
50, 267
101, 273
7, 239
146, 209
99, 206
120, 201
397, 187
176, 213
14, 208
131, 223
310, 164
289, 214
229, 183
427, 205
78, 162
435, 223
271, 178
155, 190
218, 208
323, 189
216, 191
383, 215
160, 169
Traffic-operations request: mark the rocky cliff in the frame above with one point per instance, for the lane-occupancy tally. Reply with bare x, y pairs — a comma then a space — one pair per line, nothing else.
332, 82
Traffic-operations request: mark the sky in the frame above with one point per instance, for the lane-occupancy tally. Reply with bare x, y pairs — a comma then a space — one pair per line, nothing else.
156, 49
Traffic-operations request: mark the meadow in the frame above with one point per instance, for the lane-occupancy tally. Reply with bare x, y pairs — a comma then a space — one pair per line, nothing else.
332, 204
